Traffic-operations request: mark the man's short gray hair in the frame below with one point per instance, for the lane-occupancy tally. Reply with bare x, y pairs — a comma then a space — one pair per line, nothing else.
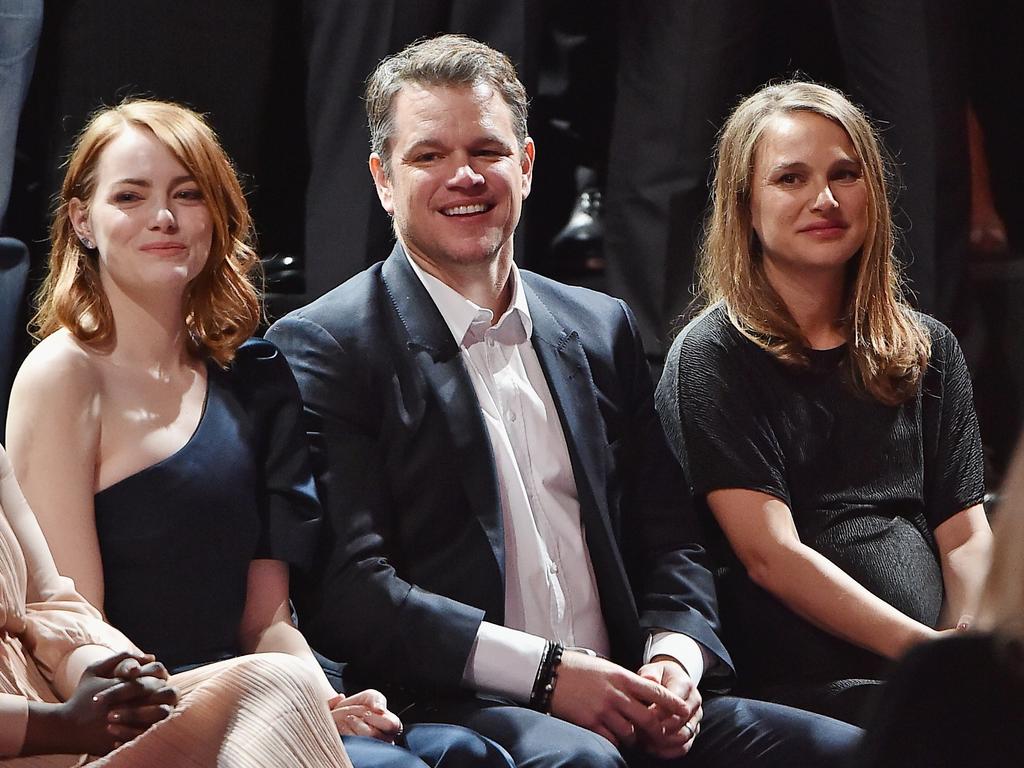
447, 60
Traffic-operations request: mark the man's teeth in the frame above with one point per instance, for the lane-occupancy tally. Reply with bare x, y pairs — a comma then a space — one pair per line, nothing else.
462, 210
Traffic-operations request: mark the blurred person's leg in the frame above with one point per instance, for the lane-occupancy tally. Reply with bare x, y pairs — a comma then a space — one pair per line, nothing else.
682, 66
906, 63
21, 22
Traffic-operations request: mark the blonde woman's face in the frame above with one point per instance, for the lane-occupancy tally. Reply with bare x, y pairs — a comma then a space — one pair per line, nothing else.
147, 217
809, 199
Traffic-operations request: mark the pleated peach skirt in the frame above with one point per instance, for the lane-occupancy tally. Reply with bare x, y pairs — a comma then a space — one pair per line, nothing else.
260, 711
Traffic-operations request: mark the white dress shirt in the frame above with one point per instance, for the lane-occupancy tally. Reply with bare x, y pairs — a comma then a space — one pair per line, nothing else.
550, 588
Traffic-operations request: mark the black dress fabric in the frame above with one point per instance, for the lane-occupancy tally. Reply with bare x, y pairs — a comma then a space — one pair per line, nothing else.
949, 704
867, 485
177, 537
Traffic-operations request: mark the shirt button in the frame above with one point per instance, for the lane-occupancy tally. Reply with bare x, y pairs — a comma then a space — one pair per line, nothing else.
490, 342
553, 567
512, 417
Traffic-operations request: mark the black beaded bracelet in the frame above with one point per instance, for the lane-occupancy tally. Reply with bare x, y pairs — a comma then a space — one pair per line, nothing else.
547, 674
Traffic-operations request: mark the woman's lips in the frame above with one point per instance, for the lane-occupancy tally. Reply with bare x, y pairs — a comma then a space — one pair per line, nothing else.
164, 247
826, 229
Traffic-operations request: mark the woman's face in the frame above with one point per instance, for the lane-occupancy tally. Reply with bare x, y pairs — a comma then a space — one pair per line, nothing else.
147, 217
809, 200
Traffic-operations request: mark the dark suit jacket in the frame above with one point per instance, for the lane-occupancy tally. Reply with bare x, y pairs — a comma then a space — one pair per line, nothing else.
415, 559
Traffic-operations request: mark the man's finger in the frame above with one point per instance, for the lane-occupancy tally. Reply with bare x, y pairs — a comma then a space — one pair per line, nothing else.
624, 730
650, 692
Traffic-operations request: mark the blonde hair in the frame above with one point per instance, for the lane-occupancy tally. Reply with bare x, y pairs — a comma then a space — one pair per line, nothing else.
889, 347
221, 305
1002, 602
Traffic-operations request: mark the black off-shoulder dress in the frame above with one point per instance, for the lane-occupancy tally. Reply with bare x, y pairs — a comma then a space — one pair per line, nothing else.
177, 537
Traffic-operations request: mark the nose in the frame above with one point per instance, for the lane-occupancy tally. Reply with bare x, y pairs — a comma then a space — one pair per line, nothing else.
164, 219
465, 176
826, 200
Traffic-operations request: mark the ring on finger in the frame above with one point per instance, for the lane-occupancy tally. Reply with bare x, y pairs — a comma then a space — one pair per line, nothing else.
691, 729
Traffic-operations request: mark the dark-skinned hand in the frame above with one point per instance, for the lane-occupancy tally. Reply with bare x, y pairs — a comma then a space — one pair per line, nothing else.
116, 700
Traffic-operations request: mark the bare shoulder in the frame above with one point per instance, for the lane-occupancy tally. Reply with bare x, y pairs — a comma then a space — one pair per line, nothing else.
59, 374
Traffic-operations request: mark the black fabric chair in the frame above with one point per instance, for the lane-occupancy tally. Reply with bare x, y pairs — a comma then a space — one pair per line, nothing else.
13, 279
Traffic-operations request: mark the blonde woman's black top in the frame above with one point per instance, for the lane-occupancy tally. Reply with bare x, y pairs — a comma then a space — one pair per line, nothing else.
867, 484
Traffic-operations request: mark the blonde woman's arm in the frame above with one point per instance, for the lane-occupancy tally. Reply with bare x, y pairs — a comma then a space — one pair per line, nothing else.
965, 554
762, 533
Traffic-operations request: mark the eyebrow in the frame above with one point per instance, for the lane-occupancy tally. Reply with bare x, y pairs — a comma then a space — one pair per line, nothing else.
147, 183
431, 142
785, 166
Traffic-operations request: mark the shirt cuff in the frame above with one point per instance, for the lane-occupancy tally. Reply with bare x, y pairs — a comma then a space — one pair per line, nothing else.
693, 657
504, 662
13, 724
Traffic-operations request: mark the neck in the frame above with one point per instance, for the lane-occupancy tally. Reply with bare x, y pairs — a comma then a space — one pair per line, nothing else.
815, 300
149, 331
486, 284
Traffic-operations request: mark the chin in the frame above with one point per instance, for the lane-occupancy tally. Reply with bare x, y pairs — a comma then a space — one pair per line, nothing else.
478, 252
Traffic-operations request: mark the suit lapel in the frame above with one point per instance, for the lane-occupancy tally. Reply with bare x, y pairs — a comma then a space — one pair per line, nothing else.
569, 377
436, 353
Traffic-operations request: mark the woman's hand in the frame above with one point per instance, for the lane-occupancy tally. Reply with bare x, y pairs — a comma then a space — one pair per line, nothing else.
365, 714
134, 667
105, 711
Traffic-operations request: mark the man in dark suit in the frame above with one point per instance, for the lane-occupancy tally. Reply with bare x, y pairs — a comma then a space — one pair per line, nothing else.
510, 534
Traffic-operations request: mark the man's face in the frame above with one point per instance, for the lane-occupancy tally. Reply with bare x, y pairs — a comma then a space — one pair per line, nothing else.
457, 178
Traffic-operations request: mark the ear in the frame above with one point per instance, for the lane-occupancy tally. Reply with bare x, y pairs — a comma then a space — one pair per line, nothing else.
78, 214
382, 183
526, 159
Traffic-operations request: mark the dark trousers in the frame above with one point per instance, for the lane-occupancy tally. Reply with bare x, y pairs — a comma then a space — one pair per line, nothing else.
734, 732
428, 744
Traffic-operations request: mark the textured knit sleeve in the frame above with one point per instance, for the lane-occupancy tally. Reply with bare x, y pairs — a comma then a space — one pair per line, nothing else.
289, 509
58, 628
953, 462
711, 402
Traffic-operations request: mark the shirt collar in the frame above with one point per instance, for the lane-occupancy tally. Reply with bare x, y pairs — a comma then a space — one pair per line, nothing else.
467, 321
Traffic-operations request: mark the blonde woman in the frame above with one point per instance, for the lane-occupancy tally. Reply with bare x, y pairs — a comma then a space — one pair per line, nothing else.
184, 496
826, 427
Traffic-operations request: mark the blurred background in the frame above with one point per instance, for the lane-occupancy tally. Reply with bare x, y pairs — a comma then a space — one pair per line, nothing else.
627, 97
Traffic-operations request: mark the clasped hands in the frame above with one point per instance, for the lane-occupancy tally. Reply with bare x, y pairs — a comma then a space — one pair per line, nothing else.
117, 698
657, 709
365, 714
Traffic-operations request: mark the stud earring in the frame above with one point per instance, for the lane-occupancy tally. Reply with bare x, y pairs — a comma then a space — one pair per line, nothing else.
87, 243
